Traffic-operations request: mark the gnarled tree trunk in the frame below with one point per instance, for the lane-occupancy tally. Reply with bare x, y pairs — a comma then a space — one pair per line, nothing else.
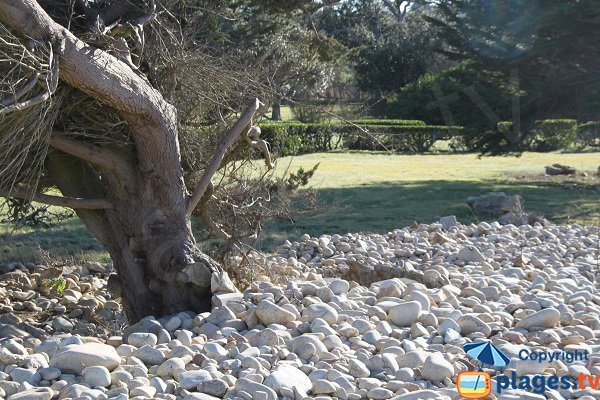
144, 223
147, 236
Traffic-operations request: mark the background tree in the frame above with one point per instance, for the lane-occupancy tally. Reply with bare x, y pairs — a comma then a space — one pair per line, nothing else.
548, 48
391, 42
461, 95
282, 35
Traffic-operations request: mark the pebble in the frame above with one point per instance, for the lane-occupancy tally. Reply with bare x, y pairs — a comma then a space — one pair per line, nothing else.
96, 376
191, 379
358, 369
61, 324
547, 318
270, 313
436, 368
150, 355
173, 323
470, 254
215, 387
323, 311
380, 394
405, 314
469, 324
141, 339
288, 377
249, 386
33, 394
74, 358
170, 367
396, 332
322, 386
339, 286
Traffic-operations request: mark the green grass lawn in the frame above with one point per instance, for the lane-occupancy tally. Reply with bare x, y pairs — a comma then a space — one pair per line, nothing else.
377, 192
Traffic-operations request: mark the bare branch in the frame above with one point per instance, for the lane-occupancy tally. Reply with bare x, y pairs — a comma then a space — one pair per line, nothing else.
233, 133
71, 202
148, 16
51, 76
205, 215
99, 156
26, 104
30, 84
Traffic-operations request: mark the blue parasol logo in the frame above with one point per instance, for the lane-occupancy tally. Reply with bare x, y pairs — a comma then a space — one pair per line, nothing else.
487, 353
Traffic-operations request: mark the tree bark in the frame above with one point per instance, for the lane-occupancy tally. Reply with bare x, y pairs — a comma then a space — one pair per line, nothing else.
276, 111
147, 232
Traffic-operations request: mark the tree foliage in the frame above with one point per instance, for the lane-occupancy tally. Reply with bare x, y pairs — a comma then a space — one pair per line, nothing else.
551, 46
392, 43
461, 95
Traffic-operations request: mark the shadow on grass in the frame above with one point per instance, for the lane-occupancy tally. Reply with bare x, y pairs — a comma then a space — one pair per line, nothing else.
384, 207
68, 241
367, 208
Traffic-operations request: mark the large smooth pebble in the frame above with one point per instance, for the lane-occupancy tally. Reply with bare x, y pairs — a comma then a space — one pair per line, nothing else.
288, 376
191, 379
249, 386
546, 318
405, 314
75, 358
339, 286
299, 344
96, 376
471, 324
358, 369
41, 393
321, 310
436, 368
170, 367
412, 359
270, 313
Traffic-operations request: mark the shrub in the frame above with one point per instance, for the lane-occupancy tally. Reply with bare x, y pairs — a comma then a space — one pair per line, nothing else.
588, 134
504, 127
295, 138
375, 121
415, 138
554, 134
58, 285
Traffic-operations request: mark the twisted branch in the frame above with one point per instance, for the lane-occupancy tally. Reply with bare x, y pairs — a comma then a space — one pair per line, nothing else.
99, 156
29, 85
71, 202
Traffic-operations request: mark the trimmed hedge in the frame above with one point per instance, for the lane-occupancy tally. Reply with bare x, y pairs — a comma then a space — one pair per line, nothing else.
554, 134
416, 138
588, 134
295, 138
374, 121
